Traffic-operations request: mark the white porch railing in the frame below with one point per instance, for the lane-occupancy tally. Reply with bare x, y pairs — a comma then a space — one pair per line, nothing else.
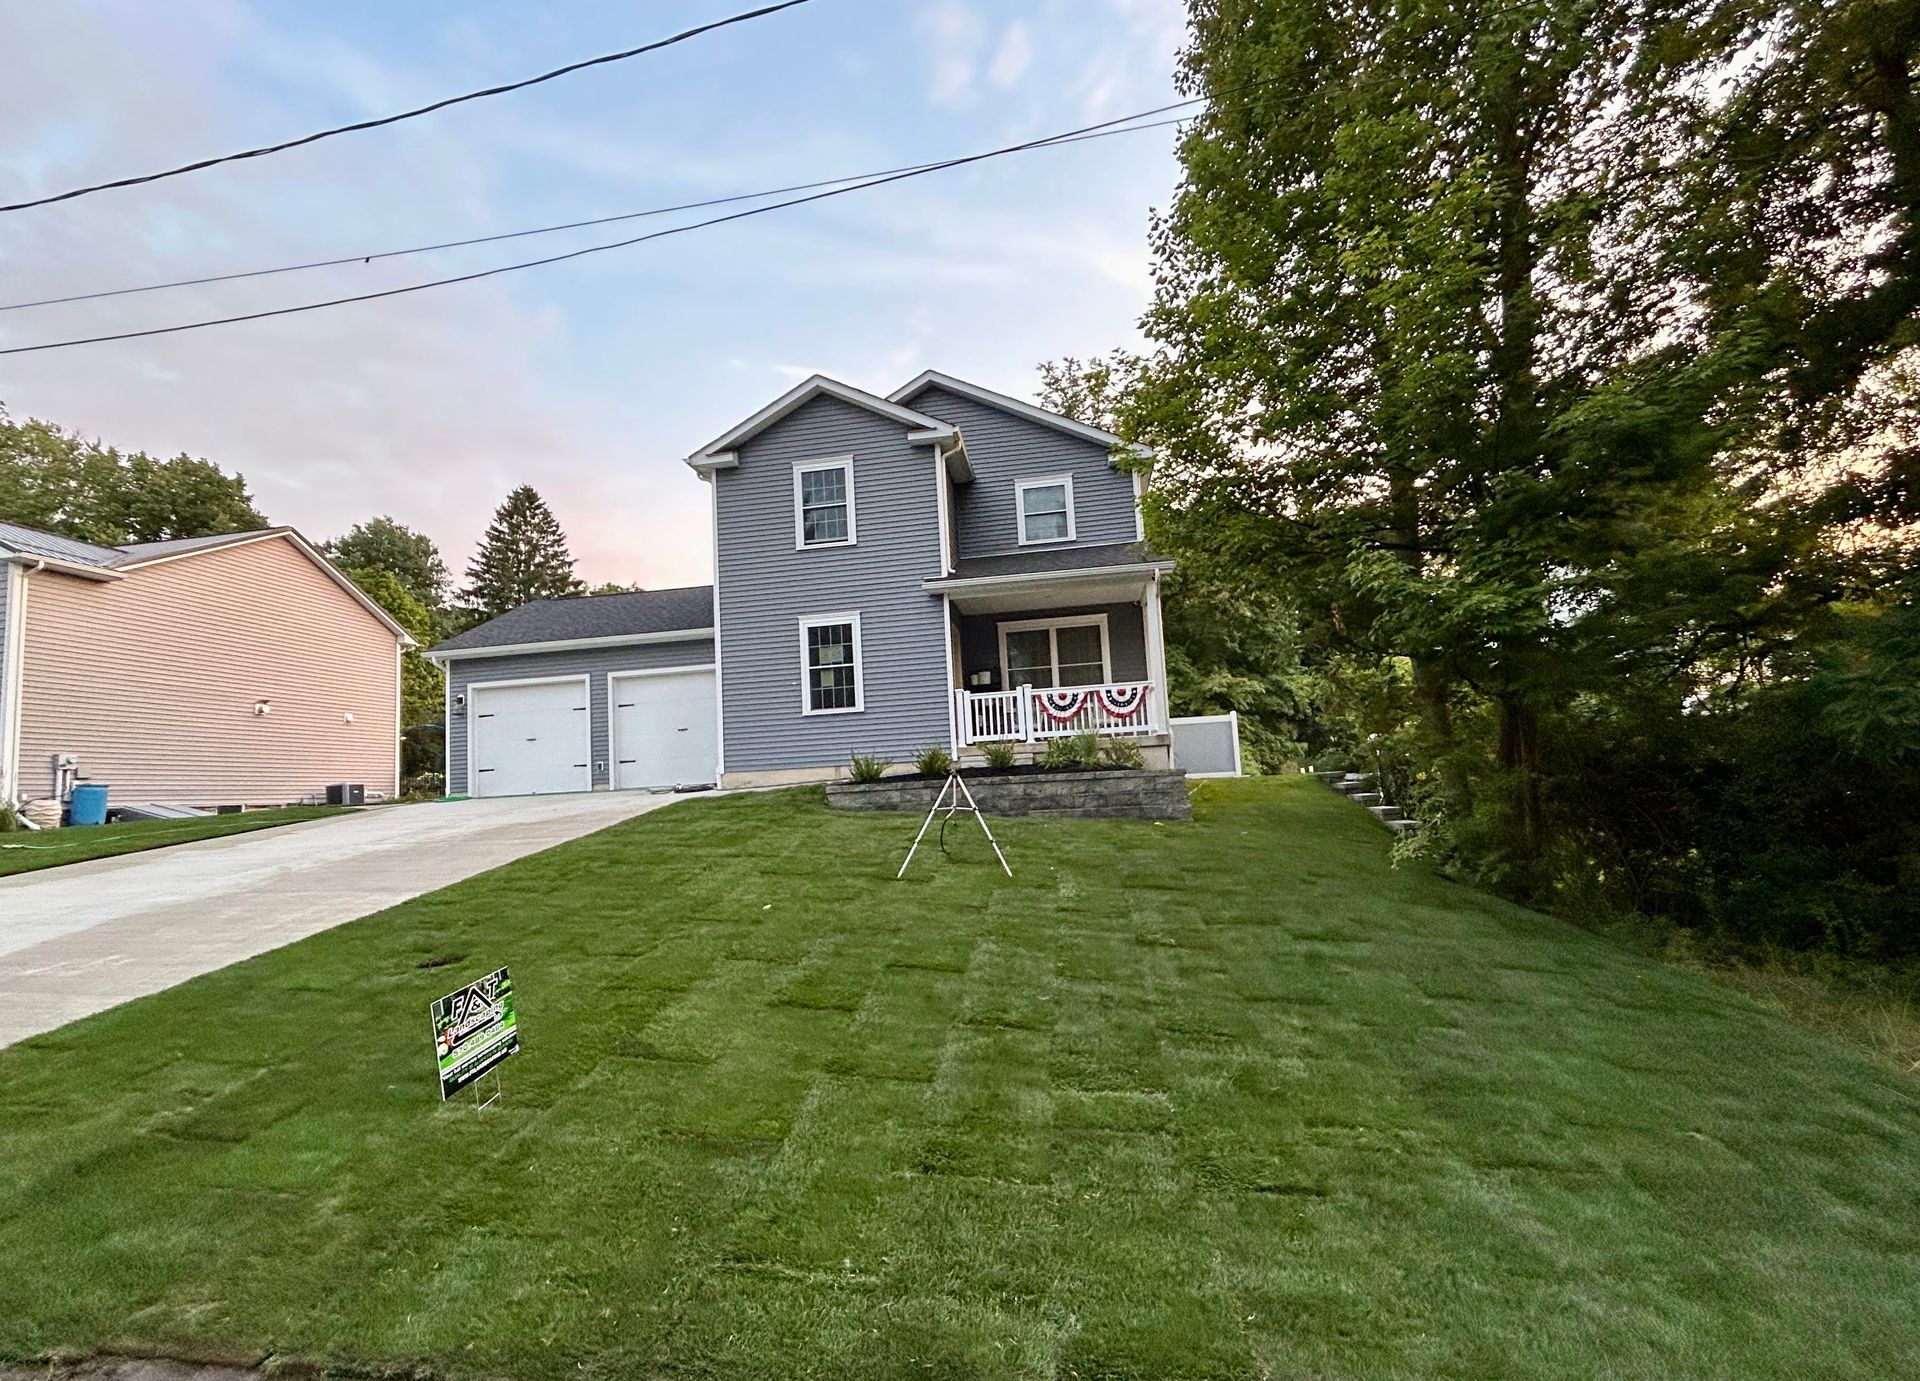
1028, 713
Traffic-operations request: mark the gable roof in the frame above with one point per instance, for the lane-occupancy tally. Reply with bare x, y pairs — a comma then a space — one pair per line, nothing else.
718, 454
933, 378
640, 616
111, 563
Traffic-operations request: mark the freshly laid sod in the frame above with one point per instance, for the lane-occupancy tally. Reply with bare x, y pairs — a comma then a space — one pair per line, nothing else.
23, 851
1228, 1099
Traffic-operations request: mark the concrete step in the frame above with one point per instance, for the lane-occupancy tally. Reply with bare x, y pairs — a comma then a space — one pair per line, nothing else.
1369, 798
1387, 813
1402, 826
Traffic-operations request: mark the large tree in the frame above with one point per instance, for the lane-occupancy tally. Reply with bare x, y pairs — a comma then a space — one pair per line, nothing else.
1461, 337
59, 481
422, 684
522, 557
411, 556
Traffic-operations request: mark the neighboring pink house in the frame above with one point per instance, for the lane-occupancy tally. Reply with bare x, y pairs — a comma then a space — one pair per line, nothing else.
236, 670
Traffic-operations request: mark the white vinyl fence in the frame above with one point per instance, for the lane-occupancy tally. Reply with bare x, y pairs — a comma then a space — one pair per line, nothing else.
1207, 745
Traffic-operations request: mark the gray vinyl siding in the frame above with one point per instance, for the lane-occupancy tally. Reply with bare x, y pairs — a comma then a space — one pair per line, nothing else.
596, 662
766, 586
1005, 448
1126, 639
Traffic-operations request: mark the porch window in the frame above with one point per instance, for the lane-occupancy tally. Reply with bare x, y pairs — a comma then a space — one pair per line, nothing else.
823, 503
1046, 509
830, 664
1050, 653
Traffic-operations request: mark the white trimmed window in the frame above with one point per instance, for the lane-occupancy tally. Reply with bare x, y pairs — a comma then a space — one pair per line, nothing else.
1046, 509
1056, 652
830, 664
823, 503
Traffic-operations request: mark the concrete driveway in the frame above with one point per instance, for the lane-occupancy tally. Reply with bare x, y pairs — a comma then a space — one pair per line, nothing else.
81, 938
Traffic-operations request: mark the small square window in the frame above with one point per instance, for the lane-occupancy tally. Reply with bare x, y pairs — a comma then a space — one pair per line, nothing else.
1046, 510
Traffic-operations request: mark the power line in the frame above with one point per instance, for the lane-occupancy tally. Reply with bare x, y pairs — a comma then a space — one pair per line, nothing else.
409, 114
877, 181
367, 258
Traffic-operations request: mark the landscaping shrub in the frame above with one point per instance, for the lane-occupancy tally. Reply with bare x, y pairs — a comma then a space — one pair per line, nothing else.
1121, 752
865, 767
933, 762
1081, 750
999, 756
9, 822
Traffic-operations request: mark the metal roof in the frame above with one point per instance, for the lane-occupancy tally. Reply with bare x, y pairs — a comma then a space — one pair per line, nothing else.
578, 618
27, 541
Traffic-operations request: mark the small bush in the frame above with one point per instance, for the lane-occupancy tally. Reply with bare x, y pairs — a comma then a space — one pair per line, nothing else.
998, 755
9, 822
1121, 752
1061, 753
865, 767
933, 762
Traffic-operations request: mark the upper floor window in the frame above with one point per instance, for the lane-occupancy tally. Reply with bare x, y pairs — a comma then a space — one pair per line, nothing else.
830, 664
823, 503
1046, 509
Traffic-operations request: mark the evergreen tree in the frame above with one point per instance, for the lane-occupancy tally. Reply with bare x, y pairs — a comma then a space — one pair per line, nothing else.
523, 557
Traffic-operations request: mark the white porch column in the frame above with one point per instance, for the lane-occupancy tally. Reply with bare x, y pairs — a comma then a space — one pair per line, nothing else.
1156, 654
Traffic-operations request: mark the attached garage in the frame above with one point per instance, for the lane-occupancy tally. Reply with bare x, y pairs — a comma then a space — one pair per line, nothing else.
532, 738
666, 731
595, 693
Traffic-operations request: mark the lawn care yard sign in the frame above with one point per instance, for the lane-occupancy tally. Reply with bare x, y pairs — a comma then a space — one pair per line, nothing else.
474, 1030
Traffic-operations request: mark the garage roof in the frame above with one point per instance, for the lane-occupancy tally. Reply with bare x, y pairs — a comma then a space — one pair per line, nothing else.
644, 615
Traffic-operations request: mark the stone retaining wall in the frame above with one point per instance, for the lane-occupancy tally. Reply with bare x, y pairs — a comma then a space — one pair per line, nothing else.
1116, 795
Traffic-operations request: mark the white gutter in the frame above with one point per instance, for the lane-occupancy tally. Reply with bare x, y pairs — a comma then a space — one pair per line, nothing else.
467, 654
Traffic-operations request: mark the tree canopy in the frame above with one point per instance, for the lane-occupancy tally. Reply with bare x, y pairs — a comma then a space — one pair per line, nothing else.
58, 481
412, 557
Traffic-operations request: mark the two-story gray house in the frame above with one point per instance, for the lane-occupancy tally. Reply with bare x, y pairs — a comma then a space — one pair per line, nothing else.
943, 566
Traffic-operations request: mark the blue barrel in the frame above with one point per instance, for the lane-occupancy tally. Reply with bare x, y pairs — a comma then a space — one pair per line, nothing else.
88, 805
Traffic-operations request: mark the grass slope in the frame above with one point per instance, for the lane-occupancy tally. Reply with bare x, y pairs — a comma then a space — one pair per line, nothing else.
1232, 1099
26, 851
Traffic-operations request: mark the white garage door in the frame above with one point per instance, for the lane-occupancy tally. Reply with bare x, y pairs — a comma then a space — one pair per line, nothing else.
664, 731
528, 740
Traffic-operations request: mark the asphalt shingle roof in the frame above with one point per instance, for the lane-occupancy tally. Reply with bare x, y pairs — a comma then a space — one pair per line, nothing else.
592, 616
1046, 560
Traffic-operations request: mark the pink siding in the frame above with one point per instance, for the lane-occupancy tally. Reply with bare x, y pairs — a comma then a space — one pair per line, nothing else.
151, 681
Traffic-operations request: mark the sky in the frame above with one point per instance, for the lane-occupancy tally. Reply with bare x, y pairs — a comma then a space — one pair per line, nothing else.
589, 380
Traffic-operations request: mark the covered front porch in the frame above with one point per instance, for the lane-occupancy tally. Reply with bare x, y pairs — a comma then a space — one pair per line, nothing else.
1056, 656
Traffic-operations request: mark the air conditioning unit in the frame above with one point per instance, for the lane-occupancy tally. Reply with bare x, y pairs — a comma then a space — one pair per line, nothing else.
347, 794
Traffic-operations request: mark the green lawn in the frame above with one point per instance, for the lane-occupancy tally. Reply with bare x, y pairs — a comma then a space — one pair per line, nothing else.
22, 851
1229, 1099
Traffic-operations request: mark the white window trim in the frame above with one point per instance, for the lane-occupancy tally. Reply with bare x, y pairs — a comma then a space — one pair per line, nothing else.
1020, 488
802, 467
1053, 644
810, 621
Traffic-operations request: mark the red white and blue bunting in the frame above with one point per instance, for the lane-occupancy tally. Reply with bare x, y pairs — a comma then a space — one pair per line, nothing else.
1122, 702
1060, 705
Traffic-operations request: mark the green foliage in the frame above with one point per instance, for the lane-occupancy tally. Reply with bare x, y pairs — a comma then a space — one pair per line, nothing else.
1059, 754
614, 587
422, 684
865, 767
522, 557
412, 557
1538, 385
58, 481
998, 756
933, 762
1121, 752
9, 818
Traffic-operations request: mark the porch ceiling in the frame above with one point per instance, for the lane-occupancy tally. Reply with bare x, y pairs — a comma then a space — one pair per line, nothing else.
1038, 594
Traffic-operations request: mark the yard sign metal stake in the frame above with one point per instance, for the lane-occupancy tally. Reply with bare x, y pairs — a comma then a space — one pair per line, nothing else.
949, 797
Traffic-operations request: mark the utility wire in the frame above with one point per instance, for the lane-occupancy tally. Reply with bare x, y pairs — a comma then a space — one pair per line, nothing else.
409, 114
878, 181
368, 258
